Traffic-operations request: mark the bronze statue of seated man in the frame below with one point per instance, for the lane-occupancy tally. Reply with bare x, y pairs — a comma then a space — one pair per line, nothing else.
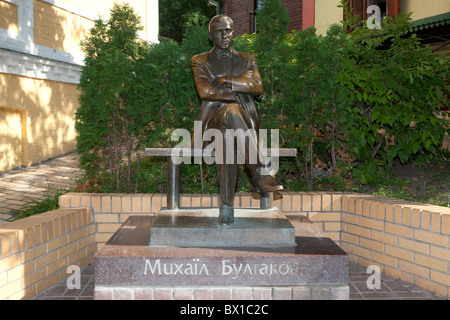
227, 81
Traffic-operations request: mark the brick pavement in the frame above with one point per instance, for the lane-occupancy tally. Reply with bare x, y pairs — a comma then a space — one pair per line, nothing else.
20, 186
390, 288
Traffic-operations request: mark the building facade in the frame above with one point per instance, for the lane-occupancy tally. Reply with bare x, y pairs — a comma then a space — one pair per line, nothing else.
327, 12
243, 14
40, 66
323, 13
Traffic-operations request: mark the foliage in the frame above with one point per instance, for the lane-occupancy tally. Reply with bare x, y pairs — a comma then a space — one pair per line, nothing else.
132, 96
313, 101
111, 118
359, 100
397, 90
48, 203
301, 95
175, 14
269, 44
352, 102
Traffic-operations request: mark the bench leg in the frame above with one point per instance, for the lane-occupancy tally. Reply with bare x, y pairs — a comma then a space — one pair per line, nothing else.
266, 200
173, 185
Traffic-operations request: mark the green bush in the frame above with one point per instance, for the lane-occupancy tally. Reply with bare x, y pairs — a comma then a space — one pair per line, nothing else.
396, 87
351, 102
112, 115
133, 95
360, 100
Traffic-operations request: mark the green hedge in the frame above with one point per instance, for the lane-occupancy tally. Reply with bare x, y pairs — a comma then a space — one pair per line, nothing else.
352, 103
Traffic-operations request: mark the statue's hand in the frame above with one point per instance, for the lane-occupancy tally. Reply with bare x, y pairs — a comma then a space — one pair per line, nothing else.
248, 74
223, 81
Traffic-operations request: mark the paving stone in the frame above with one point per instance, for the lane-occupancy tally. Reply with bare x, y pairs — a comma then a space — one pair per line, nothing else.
20, 186
396, 286
379, 296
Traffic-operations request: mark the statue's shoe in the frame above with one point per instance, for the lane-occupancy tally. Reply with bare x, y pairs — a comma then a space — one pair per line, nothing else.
265, 183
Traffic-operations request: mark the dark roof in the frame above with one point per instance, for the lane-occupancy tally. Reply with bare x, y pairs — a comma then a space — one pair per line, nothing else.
431, 22
435, 29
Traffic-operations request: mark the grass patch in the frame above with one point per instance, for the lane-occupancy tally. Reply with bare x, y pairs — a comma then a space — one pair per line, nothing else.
434, 196
48, 203
422, 181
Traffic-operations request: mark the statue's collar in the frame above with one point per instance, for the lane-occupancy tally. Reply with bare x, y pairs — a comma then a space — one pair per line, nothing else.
223, 53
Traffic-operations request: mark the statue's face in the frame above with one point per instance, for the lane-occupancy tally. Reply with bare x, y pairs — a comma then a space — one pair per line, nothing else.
222, 33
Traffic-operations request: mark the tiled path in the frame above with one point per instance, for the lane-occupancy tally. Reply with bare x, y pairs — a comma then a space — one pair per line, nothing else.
391, 289
18, 186
61, 291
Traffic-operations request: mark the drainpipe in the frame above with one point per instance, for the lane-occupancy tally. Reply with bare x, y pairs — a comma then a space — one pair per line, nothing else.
216, 4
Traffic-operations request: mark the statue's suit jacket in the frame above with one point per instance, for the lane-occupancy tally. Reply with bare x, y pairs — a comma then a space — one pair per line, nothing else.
245, 83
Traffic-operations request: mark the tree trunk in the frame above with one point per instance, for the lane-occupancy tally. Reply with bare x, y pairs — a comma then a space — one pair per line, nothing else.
129, 148
311, 150
377, 147
201, 177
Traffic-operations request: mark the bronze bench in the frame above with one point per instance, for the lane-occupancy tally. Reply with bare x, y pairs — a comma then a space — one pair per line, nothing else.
173, 173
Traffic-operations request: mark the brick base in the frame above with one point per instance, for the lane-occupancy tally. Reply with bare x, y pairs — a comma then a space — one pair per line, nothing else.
222, 293
35, 252
407, 240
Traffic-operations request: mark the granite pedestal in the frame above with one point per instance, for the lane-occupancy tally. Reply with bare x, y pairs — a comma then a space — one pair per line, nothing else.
200, 228
127, 267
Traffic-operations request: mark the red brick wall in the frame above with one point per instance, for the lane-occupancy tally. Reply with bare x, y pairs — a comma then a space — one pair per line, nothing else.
308, 14
294, 8
241, 10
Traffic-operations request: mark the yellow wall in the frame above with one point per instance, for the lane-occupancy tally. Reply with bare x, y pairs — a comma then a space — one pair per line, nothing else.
90, 10
9, 16
37, 114
326, 14
422, 9
10, 137
45, 111
57, 28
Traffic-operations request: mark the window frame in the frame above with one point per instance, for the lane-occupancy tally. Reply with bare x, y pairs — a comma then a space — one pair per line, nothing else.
253, 28
360, 8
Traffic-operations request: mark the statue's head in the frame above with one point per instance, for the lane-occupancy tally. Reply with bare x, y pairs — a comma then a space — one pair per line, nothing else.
221, 31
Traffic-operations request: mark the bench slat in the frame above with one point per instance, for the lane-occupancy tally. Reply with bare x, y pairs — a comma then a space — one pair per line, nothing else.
167, 152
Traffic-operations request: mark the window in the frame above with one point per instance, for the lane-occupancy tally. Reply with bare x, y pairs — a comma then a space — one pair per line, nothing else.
257, 4
381, 4
253, 23
389, 8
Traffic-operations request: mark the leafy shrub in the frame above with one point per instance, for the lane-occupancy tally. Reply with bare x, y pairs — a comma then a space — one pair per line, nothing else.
365, 97
351, 102
396, 86
112, 116
133, 95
